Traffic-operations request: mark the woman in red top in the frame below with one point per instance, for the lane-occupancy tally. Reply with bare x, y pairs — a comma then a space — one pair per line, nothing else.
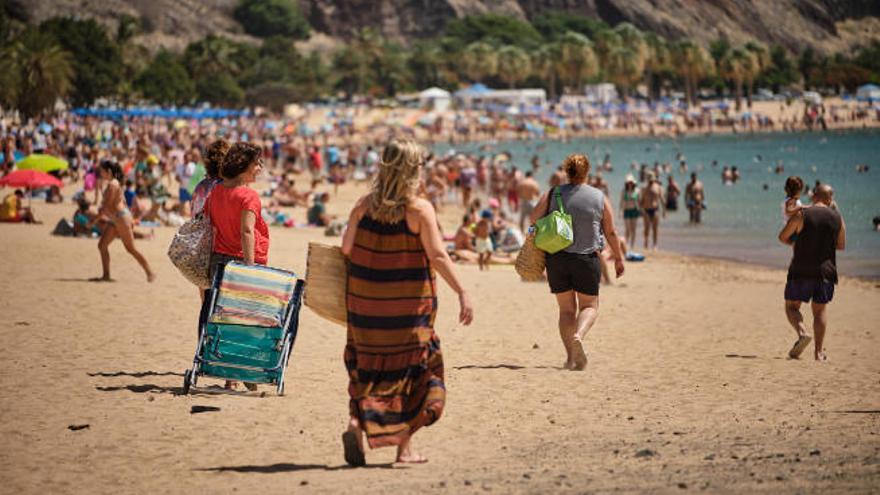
240, 233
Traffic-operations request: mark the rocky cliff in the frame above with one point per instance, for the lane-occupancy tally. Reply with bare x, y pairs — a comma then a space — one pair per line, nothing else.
826, 25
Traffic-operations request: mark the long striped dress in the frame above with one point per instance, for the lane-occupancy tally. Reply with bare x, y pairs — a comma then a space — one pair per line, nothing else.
392, 353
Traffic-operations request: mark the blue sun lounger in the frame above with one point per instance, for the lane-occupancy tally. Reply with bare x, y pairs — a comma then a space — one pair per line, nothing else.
247, 326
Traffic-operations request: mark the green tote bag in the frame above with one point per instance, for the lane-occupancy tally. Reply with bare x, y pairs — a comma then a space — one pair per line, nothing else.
554, 232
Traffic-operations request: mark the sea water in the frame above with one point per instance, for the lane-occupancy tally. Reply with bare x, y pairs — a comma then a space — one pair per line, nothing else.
742, 220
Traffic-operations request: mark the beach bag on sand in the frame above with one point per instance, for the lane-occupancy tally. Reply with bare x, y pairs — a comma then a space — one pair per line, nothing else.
326, 279
190, 250
530, 262
553, 232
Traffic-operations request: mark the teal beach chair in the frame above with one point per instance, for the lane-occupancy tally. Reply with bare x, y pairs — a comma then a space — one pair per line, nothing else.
247, 326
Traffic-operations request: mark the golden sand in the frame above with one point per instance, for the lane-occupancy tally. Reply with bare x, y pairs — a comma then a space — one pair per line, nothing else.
687, 386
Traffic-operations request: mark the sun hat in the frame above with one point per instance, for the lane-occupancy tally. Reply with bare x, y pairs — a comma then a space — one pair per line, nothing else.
630, 178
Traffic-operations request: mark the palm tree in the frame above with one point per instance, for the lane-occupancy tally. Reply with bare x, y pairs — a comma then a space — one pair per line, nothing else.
425, 62
545, 65
693, 64
657, 61
479, 60
737, 65
762, 62
38, 72
577, 60
513, 65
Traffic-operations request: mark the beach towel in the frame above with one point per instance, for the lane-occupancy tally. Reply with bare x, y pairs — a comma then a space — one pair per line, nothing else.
253, 295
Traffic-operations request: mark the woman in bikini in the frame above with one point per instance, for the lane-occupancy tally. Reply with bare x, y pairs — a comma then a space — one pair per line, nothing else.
120, 223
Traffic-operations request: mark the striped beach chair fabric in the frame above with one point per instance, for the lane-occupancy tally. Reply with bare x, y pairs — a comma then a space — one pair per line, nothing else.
253, 296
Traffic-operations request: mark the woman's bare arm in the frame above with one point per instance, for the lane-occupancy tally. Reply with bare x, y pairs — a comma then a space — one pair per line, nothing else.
248, 221
351, 230
435, 249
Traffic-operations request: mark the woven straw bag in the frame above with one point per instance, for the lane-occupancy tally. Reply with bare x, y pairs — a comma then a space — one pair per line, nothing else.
190, 250
326, 279
531, 261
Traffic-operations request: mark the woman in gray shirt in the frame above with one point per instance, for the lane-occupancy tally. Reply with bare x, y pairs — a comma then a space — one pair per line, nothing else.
574, 272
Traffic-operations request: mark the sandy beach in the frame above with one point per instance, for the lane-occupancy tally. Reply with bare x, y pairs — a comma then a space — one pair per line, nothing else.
688, 386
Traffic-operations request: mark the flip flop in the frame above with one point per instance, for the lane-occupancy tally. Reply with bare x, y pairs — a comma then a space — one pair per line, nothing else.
799, 346
353, 454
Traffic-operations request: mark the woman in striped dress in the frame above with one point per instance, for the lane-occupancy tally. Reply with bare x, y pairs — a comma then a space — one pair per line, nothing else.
392, 353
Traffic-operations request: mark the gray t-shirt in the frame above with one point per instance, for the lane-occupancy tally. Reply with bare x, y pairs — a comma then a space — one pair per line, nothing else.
586, 205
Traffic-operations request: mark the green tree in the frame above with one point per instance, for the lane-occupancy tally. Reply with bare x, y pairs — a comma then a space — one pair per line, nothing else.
35, 72
545, 65
165, 81
264, 18
692, 64
273, 95
494, 29
738, 65
425, 63
808, 63
781, 71
552, 25
352, 70
577, 60
389, 68
761, 62
479, 60
658, 62
513, 65
97, 59
626, 59
220, 89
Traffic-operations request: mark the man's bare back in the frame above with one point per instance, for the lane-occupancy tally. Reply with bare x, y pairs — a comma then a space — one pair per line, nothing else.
528, 189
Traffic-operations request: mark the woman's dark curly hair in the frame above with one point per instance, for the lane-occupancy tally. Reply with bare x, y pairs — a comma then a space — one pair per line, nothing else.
214, 155
239, 157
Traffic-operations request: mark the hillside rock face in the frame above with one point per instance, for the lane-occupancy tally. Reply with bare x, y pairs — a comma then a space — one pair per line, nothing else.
826, 25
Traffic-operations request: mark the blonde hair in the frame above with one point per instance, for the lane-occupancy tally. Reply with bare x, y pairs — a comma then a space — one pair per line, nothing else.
577, 167
397, 181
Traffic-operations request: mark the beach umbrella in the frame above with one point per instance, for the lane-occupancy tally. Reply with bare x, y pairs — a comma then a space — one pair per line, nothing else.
42, 163
29, 179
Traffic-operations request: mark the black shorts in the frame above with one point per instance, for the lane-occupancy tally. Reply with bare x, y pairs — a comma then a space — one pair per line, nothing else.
577, 272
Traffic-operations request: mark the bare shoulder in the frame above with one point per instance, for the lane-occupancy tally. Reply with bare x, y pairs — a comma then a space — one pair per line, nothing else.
421, 207
360, 207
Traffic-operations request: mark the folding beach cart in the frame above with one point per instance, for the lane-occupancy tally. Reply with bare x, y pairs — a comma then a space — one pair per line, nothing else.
247, 326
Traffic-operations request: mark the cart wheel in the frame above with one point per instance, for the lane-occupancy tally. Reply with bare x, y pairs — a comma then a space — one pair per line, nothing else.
186, 381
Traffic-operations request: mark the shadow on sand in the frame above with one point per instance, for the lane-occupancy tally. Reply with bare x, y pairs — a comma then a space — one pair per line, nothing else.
286, 467
135, 374
143, 389
503, 366
741, 356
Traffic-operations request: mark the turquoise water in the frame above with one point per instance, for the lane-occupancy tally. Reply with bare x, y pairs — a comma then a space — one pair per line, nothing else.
743, 220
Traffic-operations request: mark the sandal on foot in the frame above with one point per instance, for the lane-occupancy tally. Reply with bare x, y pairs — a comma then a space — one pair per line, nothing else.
802, 342
354, 456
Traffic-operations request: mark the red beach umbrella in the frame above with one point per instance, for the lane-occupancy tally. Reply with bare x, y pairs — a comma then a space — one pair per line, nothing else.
30, 179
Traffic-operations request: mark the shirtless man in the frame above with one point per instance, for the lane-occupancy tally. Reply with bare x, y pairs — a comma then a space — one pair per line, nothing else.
651, 200
529, 192
558, 178
694, 196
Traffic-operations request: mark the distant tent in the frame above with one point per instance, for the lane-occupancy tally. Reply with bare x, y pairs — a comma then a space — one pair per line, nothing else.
435, 99
868, 92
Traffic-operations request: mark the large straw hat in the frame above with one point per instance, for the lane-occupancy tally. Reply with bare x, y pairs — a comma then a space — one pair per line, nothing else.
326, 280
